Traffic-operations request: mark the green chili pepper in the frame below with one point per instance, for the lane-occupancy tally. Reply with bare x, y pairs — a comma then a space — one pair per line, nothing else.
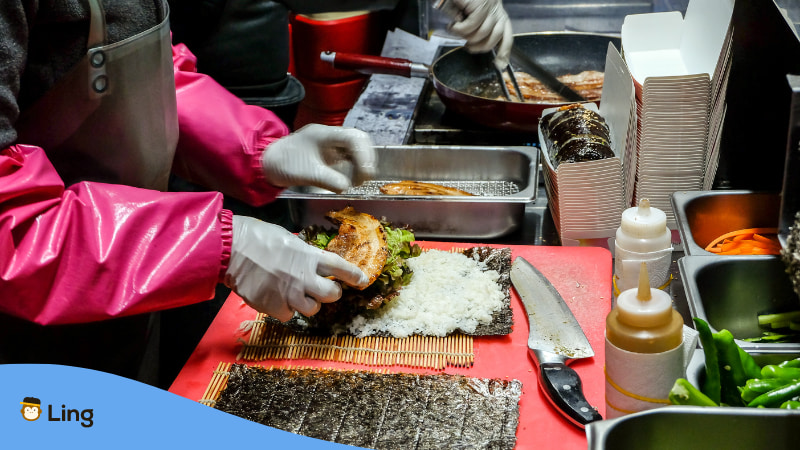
790, 404
731, 373
757, 386
790, 363
684, 393
711, 384
784, 373
776, 397
751, 367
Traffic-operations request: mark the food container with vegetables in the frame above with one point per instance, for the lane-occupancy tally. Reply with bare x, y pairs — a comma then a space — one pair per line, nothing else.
722, 373
747, 219
750, 296
730, 398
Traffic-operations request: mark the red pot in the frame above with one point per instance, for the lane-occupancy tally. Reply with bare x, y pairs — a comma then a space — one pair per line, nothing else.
361, 32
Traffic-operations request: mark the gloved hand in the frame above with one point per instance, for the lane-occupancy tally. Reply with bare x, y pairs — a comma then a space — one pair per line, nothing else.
276, 273
304, 158
485, 26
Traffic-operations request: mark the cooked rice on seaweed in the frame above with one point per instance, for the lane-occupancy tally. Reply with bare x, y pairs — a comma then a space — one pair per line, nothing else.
337, 318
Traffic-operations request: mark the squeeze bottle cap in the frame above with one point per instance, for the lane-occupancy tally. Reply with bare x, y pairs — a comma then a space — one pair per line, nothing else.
644, 306
643, 222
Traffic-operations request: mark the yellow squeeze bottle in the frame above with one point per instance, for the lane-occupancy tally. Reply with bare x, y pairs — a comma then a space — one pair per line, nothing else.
643, 320
644, 351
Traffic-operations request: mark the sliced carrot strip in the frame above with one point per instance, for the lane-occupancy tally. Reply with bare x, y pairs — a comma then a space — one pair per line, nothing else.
761, 238
733, 234
729, 246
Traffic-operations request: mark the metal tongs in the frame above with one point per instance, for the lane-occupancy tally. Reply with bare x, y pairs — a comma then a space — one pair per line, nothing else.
456, 13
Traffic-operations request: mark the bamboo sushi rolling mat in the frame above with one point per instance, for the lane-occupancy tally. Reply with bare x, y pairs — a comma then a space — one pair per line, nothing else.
274, 341
581, 274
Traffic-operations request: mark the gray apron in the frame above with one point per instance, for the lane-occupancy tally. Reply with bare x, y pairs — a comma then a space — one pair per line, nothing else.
113, 117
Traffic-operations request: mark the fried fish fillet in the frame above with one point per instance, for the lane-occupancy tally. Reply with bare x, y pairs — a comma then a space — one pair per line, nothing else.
361, 240
419, 188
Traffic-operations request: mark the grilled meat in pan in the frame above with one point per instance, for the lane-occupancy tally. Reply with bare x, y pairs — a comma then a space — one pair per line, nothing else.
589, 84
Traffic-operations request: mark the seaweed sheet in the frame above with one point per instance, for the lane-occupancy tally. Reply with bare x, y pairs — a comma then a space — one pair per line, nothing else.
375, 410
332, 318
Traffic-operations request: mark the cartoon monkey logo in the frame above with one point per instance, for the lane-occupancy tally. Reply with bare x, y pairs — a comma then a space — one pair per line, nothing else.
31, 408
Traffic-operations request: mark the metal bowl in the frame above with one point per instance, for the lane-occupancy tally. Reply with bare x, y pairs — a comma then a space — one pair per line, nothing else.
729, 292
703, 216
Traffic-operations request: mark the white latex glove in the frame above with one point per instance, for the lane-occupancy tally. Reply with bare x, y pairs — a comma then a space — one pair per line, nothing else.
485, 26
305, 158
276, 273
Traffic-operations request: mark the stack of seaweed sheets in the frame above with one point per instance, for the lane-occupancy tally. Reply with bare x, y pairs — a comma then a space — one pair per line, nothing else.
374, 410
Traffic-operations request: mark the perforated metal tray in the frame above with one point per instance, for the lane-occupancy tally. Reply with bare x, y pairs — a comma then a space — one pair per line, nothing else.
502, 179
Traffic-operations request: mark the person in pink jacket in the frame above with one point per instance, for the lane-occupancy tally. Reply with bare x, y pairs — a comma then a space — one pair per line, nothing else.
96, 110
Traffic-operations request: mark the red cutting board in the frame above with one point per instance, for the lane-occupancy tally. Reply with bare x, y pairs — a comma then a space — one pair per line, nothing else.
581, 274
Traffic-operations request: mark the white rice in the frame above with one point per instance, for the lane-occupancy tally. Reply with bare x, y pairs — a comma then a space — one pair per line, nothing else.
448, 291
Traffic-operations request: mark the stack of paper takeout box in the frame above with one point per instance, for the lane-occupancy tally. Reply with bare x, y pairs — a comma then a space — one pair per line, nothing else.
664, 101
680, 69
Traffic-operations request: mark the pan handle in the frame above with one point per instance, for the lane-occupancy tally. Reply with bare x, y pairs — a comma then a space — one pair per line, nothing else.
370, 64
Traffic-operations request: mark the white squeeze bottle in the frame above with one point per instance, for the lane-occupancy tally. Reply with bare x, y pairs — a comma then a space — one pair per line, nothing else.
643, 236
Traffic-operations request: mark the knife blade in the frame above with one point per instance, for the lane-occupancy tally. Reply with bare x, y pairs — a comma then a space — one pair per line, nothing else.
554, 340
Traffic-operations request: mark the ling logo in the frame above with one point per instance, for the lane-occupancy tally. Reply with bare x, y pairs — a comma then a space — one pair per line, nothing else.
32, 410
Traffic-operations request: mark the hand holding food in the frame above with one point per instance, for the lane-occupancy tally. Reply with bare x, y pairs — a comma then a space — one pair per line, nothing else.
305, 158
277, 273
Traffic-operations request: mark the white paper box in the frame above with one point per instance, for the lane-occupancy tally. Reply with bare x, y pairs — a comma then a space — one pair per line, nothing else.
587, 198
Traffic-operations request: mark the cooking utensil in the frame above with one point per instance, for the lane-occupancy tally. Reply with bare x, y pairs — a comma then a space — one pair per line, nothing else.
457, 14
555, 339
500, 80
467, 83
526, 64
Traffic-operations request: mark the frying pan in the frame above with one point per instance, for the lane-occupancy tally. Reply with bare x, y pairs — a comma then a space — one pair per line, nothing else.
467, 83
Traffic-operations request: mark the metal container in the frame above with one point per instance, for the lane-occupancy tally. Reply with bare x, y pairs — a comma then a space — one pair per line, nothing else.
697, 428
503, 179
729, 292
703, 216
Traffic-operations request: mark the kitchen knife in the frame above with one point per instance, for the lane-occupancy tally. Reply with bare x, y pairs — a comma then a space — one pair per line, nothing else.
554, 340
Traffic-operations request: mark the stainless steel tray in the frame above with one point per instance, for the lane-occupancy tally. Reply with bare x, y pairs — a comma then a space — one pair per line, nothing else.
503, 179
697, 428
730, 291
703, 216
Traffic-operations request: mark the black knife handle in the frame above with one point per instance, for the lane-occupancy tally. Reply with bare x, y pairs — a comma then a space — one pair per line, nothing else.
562, 386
